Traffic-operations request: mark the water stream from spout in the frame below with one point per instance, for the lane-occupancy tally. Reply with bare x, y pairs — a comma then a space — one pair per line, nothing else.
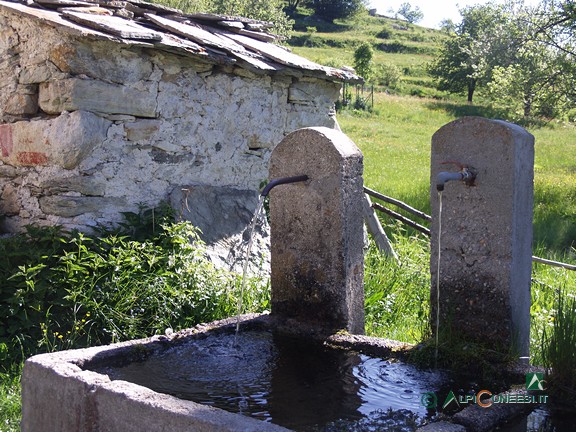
438, 275
240, 301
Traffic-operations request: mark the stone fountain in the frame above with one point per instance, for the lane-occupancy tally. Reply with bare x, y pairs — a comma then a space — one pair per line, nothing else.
316, 279
486, 243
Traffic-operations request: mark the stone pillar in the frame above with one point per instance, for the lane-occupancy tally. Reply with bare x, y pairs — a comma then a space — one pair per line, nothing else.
317, 231
486, 254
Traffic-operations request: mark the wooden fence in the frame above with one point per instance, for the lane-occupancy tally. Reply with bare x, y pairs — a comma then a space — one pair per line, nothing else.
382, 240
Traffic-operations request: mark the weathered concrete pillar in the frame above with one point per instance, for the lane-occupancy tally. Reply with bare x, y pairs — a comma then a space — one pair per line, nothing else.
317, 231
486, 255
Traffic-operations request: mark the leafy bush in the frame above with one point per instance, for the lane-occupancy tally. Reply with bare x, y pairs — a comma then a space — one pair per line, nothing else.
387, 75
384, 34
396, 47
73, 290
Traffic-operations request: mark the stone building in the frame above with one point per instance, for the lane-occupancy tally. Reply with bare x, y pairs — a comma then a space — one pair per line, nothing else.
109, 106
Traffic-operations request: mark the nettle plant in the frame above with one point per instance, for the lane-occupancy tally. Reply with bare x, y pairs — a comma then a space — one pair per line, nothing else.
66, 290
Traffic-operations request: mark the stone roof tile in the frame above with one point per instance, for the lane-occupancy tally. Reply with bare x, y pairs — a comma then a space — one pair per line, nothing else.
215, 38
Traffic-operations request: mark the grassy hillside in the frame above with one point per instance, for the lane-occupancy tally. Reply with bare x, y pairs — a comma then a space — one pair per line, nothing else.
406, 46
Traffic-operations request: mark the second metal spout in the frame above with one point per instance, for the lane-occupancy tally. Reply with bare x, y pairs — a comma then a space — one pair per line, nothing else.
283, 180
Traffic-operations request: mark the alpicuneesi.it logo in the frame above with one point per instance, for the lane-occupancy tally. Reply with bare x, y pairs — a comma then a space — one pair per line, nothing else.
485, 398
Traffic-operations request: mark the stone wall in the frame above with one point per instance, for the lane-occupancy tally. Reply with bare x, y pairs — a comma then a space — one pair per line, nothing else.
91, 128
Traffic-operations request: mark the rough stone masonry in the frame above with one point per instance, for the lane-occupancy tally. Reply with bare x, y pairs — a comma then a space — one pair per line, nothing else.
93, 125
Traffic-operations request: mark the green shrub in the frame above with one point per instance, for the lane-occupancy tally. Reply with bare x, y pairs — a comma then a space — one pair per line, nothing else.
384, 34
363, 60
387, 75
396, 47
100, 290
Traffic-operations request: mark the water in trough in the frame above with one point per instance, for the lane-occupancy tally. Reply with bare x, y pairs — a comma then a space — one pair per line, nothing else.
287, 381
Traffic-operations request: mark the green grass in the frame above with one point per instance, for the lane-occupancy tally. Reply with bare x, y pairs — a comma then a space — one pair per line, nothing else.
555, 187
396, 43
559, 352
10, 406
397, 293
395, 140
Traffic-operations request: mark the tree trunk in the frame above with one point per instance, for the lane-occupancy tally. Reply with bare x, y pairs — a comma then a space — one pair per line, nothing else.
471, 88
527, 106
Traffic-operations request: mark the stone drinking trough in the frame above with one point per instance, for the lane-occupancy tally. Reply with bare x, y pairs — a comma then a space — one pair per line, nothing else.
317, 273
61, 391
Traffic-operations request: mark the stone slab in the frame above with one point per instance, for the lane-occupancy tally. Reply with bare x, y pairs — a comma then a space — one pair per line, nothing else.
486, 255
224, 215
317, 230
63, 141
74, 94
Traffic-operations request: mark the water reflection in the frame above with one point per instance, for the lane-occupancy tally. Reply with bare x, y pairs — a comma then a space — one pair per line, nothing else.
299, 385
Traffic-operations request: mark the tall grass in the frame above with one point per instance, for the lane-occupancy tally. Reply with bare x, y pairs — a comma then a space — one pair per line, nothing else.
397, 292
559, 350
10, 407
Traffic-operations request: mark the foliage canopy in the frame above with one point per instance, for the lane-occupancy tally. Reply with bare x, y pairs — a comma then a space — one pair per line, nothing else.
411, 14
523, 56
335, 9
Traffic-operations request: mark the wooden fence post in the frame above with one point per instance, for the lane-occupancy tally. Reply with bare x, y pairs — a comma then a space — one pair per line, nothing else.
375, 228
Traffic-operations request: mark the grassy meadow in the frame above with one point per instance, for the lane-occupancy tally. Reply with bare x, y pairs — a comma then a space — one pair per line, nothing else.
395, 139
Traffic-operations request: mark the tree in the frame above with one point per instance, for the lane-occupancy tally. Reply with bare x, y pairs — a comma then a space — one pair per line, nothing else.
412, 15
524, 62
484, 39
539, 81
556, 27
447, 26
363, 60
555, 23
532, 85
335, 9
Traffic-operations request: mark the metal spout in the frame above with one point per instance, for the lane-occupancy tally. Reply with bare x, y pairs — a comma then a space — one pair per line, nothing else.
446, 176
279, 181
467, 174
